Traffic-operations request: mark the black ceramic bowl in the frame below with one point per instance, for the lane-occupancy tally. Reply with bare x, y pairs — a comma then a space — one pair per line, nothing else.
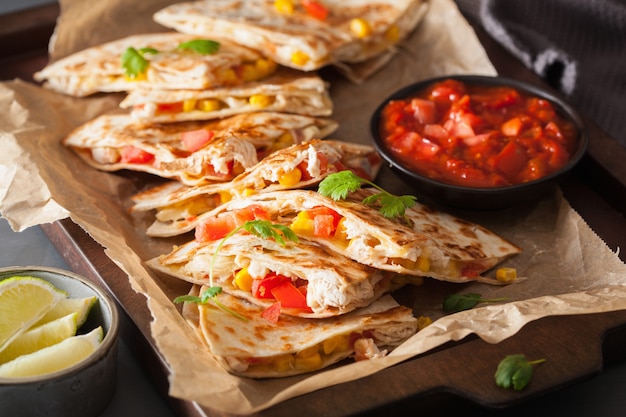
471, 198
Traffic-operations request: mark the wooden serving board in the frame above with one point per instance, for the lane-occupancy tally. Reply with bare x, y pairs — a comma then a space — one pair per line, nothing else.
455, 377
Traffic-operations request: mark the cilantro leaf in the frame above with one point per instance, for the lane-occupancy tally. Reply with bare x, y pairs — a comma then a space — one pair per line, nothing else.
210, 293
459, 302
201, 46
269, 230
339, 184
134, 63
515, 371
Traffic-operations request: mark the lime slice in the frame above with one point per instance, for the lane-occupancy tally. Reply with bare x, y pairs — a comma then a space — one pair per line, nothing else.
23, 301
54, 358
39, 337
81, 306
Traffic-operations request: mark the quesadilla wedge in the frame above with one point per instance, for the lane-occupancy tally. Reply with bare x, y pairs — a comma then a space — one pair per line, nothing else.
287, 91
434, 244
180, 207
306, 278
304, 36
191, 152
168, 60
259, 348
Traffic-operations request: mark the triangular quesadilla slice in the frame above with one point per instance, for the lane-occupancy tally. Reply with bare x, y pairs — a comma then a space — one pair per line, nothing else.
179, 207
191, 152
306, 278
168, 60
304, 36
287, 91
258, 348
435, 244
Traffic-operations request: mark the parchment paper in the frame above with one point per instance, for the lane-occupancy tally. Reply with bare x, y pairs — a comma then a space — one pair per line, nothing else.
567, 269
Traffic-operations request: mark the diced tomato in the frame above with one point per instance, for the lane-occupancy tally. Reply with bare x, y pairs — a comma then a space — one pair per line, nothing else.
289, 296
196, 139
325, 221
251, 212
262, 288
215, 228
218, 227
134, 155
435, 131
315, 9
447, 91
459, 129
170, 107
424, 110
511, 159
511, 127
272, 313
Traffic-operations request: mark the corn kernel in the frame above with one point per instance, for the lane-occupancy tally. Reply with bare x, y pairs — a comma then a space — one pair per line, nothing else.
225, 196
340, 232
506, 274
228, 76
303, 224
299, 58
423, 263
189, 105
335, 343
265, 67
309, 363
308, 352
209, 105
360, 28
260, 100
283, 363
248, 192
291, 178
243, 280
138, 77
285, 140
423, 321
393, 34
284, 6
249, 72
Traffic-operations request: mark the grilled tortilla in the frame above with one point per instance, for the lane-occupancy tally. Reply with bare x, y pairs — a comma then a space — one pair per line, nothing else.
258, 348
179, 207
112, 142
288, 91
99, 68
299, 40
333, 284
435, 244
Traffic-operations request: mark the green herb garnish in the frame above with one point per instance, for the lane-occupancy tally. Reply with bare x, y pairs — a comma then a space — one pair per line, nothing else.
134, 62
339, 184
459, 302
201, 46
515, 371
210, 294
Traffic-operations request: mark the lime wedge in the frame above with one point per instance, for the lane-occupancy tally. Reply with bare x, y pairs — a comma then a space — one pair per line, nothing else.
54, 358
23, 301
81, 306
39, 337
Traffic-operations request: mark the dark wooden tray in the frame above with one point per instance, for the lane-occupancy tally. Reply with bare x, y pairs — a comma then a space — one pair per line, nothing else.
453, 378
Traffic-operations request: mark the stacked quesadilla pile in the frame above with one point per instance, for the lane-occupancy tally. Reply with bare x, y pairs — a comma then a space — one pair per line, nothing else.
230, 112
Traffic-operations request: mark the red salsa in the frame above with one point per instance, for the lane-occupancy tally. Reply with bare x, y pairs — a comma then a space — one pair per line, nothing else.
477, 135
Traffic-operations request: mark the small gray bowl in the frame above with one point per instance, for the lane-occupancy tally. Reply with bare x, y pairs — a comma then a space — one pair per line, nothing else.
84, 389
